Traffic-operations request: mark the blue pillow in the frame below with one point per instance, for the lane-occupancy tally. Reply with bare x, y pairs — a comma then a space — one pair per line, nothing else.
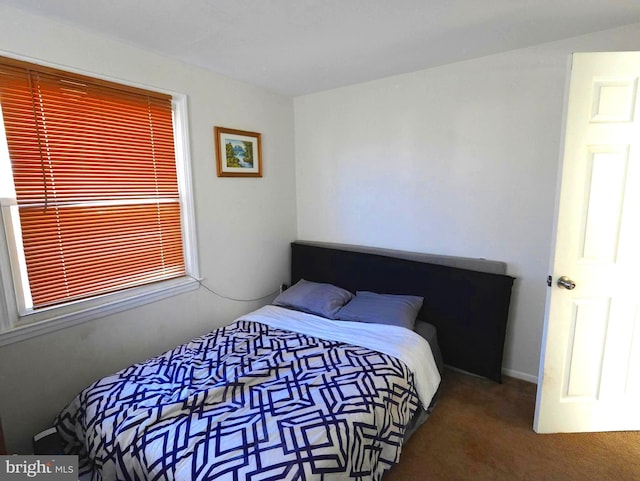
392, 309
315, 298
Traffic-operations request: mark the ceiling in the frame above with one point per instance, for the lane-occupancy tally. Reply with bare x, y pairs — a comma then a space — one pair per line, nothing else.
297, 47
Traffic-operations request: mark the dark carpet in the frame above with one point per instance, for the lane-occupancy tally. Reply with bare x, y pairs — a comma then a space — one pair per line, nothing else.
481, 430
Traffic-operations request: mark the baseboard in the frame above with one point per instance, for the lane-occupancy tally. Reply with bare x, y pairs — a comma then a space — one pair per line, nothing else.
520, 375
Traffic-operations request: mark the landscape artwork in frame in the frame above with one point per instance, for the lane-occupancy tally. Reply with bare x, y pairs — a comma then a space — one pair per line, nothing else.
239, 153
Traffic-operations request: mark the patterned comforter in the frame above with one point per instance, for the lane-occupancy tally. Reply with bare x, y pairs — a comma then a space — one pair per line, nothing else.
250, 401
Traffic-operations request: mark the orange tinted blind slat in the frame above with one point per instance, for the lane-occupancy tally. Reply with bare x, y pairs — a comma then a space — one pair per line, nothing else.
77, 146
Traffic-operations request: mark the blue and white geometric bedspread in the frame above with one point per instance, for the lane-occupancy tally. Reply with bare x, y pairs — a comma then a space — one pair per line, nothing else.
248, 401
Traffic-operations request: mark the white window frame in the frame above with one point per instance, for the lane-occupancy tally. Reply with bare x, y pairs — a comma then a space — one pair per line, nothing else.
15, 327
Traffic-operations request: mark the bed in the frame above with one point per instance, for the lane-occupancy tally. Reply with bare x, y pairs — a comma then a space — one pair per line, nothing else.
303, 389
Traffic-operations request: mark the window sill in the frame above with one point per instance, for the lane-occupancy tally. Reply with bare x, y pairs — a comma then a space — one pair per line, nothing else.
35, 325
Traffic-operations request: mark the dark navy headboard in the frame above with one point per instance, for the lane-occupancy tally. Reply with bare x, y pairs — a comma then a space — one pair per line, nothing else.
469, 307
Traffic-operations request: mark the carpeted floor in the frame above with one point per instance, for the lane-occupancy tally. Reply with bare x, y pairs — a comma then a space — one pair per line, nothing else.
481, 430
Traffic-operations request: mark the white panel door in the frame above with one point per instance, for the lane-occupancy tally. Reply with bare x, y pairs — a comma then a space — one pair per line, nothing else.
589, 376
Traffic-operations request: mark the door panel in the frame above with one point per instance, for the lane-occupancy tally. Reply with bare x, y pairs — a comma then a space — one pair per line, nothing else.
586, 349
603, 209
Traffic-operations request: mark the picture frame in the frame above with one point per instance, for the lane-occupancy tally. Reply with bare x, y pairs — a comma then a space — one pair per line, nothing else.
238, 152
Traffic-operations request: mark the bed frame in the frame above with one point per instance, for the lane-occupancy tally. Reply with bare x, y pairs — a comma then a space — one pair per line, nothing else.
466, 299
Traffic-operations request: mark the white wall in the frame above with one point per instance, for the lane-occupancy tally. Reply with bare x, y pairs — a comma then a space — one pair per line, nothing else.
458, 160
244, 225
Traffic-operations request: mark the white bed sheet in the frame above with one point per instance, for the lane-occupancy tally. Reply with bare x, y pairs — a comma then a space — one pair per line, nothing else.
399, 342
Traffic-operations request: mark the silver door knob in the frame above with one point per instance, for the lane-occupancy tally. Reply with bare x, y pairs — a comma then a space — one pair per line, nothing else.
567, 283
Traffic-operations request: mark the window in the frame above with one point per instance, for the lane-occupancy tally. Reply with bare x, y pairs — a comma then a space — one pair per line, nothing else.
96, 203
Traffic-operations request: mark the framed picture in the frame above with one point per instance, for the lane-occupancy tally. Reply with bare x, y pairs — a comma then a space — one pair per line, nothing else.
239, 153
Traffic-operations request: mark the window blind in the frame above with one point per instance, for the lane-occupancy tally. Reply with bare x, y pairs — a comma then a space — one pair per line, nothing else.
95, 176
